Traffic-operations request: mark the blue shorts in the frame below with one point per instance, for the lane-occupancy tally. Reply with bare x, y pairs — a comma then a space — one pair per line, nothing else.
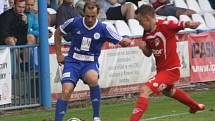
75, 70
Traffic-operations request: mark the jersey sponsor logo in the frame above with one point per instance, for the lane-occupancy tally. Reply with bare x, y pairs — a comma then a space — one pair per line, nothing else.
82, 57
85, 44
66, 75
97, 35
157, 52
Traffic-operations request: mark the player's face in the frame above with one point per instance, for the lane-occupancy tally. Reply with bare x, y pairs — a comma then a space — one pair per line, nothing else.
146, 21
90, 16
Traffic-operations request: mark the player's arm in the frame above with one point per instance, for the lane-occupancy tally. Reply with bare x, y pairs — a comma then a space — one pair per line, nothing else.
174, 25
145, 49
180, 25
115, 38
57, 40
59, 32
191, 24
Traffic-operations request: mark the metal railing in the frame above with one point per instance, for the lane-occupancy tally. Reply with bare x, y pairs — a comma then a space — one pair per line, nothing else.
25, 77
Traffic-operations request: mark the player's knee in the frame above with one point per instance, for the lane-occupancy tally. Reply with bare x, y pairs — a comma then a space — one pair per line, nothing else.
91, 78
93, 83
66, 94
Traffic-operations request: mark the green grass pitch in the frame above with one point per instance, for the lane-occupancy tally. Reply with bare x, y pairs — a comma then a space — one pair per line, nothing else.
160, 109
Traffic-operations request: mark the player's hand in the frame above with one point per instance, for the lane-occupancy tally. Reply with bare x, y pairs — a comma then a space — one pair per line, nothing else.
126, 42
60, 59
192, 24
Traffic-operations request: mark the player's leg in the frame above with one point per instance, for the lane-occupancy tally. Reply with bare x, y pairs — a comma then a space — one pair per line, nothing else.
141, 103
91, 76
62, 102
154, 85
184, 98
69, 79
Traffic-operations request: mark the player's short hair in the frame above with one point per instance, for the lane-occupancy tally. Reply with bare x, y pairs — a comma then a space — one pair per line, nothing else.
91, 5
146, 10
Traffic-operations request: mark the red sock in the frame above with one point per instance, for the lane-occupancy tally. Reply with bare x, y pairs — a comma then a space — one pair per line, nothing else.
184, 98
140, 108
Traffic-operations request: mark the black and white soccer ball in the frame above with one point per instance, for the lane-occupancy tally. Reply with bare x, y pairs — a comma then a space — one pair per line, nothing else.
74, 119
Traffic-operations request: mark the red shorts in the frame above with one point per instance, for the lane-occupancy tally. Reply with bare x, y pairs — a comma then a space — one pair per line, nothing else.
163, 79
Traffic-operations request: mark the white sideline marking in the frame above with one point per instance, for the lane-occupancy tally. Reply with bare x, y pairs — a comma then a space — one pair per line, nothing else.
169, 115
164, 116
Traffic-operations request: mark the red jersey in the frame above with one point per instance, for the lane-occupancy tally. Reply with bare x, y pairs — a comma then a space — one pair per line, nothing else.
162, 42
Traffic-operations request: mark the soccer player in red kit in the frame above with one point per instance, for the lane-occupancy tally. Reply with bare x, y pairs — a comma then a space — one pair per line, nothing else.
159, 39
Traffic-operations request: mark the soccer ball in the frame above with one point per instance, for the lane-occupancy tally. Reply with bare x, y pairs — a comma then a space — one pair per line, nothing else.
74, 119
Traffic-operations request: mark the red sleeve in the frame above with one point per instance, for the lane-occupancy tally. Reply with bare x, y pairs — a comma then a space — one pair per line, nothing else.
175, 25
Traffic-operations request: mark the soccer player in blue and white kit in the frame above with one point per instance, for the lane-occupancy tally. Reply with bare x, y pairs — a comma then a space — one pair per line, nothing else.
88, 36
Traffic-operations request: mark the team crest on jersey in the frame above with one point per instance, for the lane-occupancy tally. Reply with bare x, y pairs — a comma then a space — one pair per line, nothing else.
97, 35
